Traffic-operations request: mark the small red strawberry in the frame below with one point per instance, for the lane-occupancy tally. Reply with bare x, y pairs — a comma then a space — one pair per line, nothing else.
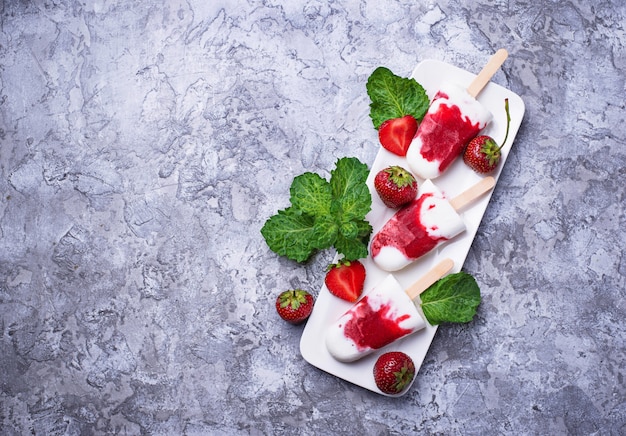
482, 154
396, 134
294, 306
395, 186
345, 279
393, 372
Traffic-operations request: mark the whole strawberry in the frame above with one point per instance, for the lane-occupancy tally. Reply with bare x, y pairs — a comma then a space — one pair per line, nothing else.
394, 372
482, 154
345, 279
294, 306
395, 186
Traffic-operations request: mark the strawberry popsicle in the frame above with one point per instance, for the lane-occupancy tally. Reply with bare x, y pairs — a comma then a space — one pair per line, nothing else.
453, 119
384, 315
422, 225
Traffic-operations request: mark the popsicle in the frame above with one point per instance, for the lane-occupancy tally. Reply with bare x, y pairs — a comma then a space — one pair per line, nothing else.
452, 120
416, 229
384, 315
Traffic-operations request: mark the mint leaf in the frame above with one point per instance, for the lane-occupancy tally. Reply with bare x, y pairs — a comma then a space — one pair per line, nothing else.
355, 204
292, 234
454, 298
394, 97
364, 229
324, 214
348, 174
349, 230
325, 231
351, 248
311, 194
354, 247
348, 187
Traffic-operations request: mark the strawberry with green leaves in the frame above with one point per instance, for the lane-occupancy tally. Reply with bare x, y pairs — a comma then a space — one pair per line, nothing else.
294, 306
482, 154
394, 372
345, 279
395, 186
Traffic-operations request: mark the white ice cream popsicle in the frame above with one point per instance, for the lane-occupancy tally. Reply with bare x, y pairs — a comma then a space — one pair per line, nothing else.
384, 315
452, 120
419, 227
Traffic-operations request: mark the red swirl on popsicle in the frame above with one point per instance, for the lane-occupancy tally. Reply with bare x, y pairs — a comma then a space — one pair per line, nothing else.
452, 120
427, 222
384, 315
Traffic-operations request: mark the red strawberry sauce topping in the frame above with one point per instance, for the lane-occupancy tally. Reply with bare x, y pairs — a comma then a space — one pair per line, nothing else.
406, 232
374, 329
439, 141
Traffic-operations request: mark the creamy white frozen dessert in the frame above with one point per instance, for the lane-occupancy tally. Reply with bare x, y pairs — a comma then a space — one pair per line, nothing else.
416, 229
381, 317
453, 119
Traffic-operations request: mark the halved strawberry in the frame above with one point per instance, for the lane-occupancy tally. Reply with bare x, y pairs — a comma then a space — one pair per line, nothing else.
345, 279
396, 134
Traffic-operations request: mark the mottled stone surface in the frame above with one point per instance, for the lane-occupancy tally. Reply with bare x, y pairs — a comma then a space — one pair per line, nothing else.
143, 146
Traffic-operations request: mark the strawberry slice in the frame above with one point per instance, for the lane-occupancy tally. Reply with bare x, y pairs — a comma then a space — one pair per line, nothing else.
396, 134
345, 279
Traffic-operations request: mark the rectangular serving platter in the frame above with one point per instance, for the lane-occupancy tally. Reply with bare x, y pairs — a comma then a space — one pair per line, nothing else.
430, 74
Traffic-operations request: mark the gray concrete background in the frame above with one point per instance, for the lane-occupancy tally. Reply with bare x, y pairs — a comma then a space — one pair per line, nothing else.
144, 146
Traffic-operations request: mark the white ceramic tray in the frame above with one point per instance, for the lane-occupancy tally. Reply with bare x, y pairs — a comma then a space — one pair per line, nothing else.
458, 177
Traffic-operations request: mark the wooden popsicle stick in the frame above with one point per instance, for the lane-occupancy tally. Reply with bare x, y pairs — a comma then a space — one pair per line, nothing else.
471, 194
429, 278
487, 72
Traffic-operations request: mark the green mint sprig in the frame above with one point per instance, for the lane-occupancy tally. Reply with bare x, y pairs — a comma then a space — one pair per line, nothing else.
324, 214
394, 97
454, 298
